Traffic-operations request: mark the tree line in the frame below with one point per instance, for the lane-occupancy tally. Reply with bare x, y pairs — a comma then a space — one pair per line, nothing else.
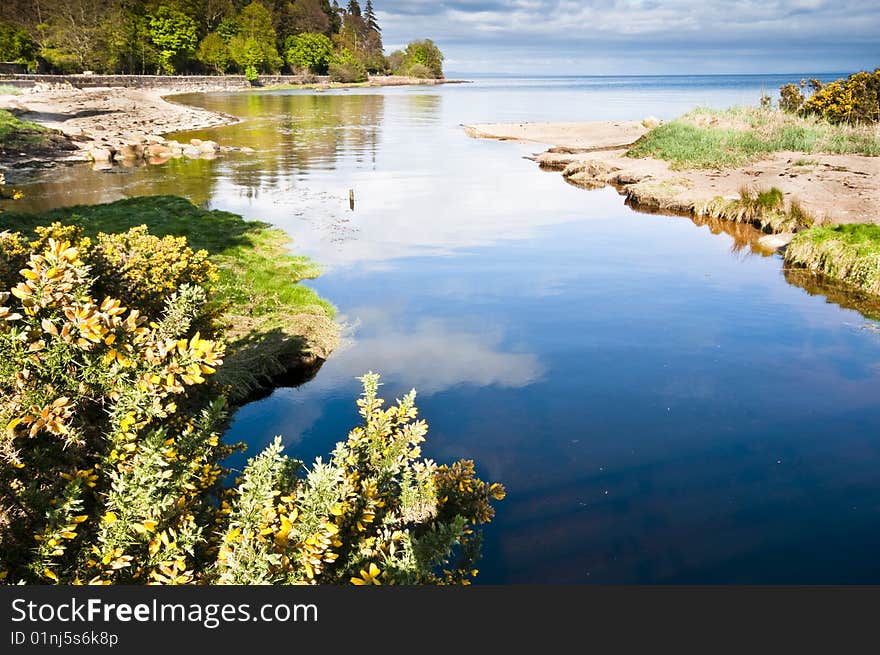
206, 36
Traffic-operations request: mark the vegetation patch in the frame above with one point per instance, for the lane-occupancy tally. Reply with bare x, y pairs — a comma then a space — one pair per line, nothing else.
112, 404
271, 321
764, 209
710, 138
17, 134
849, 253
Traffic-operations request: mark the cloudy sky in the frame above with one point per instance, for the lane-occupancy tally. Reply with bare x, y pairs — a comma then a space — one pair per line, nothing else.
641, 36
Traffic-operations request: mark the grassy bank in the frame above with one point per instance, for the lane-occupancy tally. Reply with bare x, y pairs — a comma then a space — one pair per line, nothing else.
273, 323
16, 133
711, 138
849, 253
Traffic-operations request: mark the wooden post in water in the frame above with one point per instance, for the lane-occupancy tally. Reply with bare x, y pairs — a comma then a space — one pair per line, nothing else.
351, 199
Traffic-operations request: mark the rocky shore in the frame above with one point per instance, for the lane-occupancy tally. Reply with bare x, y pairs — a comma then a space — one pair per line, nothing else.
106, 125
110, 125
831, 188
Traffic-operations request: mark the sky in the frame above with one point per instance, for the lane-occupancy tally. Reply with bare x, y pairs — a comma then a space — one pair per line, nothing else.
631, 37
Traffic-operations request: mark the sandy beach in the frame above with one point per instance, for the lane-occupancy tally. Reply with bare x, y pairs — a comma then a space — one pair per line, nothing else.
832, 188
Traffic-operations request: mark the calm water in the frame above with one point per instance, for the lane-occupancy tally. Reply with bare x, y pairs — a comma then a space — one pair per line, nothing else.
662, 405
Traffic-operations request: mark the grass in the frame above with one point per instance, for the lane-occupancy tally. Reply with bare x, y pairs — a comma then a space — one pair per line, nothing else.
8, 89
764, 209
16, 133
709, 138
849, 253
273, 322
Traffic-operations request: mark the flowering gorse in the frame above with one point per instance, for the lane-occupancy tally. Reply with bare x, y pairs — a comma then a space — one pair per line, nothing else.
110, 451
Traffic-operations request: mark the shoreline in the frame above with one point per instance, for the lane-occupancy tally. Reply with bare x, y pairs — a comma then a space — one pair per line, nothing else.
833, 188
119, 123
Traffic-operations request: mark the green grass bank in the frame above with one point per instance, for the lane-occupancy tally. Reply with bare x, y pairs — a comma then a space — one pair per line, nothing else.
274, 325
849, 253
728, 138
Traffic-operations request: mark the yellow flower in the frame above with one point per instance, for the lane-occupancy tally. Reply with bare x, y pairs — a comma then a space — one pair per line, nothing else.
368, 577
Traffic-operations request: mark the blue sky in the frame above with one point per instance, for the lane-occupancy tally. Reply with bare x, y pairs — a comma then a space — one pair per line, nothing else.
609, 37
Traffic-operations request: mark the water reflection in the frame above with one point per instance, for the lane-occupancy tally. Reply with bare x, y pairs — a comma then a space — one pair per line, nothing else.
661, 402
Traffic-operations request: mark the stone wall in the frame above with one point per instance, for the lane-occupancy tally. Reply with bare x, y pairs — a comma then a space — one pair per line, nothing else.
184, 82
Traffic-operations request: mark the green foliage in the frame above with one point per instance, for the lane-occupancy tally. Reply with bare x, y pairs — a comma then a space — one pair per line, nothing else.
15, 133
708, 138
269, 319
849, 253
16, 44
790, 98
424, 53
111, 452
852, 100
420, 71
310, 52
254, 43
764, 209
174, 34
251, 74
214, 53
347, 68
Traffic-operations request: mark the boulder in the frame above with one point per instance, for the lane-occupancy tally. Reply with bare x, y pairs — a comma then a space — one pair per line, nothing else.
195, 142
158, 150
192, 152
130, 151
101, 155
650, 122
155, 138
208, 146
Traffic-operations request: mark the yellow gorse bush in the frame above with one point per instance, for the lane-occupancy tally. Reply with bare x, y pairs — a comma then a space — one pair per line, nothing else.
110, 448
852, 100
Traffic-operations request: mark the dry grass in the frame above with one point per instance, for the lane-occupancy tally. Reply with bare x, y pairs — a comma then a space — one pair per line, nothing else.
765, 209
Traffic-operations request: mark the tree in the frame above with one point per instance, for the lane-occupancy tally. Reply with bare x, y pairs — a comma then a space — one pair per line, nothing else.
304, 16
254, 44
370, 16
16, 44
213, 52
308, 51
426, 53
174, 34
354, 8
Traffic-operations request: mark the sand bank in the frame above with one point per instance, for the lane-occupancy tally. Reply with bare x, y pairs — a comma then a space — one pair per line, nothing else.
832, 188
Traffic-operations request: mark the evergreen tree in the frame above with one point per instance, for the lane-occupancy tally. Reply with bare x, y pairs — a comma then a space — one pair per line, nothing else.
370, 16
354, 8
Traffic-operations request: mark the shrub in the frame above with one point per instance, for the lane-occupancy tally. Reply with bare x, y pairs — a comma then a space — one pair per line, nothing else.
790, 98
420, 71
111, 455
853, 100
309, 52
347, 69
251, 75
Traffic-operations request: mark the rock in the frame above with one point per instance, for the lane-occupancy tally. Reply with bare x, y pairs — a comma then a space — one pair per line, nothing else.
248, 151
208, 146
158, 150
101, 155
130, 151
650, 122
775, 241
174, 145
153, 161
155, 138
195, 142
589, 168
192, 152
